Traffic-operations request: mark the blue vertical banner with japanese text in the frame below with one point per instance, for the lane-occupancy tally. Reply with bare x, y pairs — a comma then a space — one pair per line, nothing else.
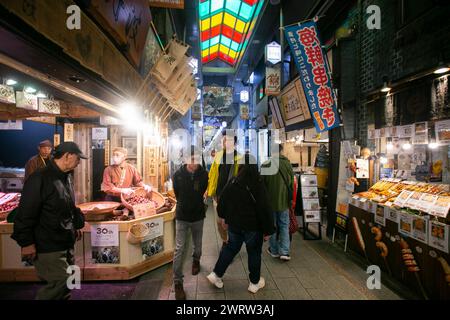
314, 73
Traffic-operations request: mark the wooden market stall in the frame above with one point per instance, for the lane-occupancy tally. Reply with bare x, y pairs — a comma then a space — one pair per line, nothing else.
89, 84
131, 262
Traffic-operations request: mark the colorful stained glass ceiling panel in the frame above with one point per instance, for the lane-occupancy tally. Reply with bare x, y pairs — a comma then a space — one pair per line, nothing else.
226, 27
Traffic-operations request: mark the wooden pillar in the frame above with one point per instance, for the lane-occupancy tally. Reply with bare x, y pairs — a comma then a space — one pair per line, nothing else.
83, 173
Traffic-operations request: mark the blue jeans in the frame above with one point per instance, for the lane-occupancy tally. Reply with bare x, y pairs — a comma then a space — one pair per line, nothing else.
282, 245
253, 242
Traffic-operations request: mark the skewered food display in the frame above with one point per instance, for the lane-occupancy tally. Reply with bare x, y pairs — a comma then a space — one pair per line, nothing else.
446, 269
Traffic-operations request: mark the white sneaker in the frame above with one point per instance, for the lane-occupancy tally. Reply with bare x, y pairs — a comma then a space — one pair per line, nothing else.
215, 280
271, 254
285, 257
253, 288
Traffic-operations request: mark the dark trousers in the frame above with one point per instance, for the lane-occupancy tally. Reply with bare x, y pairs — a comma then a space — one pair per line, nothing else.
253, 242
52, 267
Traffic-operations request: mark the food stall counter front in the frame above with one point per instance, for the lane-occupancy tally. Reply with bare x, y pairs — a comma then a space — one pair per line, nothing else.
108, 250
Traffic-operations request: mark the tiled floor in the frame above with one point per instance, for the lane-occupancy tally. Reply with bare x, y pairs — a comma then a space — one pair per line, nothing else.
318, 270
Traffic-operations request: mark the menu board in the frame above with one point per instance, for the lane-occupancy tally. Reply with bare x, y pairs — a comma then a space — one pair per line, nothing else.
362, 169
379, 216
420, 133
405, 131
420, 229
402, 198
441, 206
312, 216
308, 180
438, 235
414, 200
391, 214
442, 129
311, 204
310, 192
405, 224
426, 202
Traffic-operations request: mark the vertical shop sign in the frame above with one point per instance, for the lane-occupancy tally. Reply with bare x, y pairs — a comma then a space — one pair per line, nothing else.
311, 63
68, 131
273, 81
244, 111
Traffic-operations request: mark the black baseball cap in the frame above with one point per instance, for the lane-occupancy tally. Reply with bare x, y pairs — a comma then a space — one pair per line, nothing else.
70, 147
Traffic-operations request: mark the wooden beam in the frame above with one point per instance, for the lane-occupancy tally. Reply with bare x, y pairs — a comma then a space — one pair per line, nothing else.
10, 112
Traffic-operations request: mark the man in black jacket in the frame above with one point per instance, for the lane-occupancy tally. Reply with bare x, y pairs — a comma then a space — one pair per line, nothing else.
189, 183
48, 222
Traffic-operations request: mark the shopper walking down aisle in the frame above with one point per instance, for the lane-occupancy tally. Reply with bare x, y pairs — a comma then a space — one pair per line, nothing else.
223, 168
189, 184
246, 215
48, 223
279, 188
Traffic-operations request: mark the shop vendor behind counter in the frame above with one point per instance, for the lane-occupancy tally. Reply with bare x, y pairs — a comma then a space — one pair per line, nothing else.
121, 177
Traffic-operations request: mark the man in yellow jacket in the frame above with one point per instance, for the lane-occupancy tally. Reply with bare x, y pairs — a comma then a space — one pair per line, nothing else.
225, 166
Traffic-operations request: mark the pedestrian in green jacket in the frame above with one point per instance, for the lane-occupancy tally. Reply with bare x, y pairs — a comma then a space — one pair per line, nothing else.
279, 189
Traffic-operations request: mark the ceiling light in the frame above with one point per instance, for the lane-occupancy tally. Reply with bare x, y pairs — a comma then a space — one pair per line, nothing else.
11, 82
385, 88
383, 160
390, 146
224, 124
30, 90
41, 95
441, 70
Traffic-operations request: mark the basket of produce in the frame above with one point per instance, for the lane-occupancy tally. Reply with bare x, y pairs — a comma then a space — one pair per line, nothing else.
8, 202
140, 196
98, 211
137, 233
168, 205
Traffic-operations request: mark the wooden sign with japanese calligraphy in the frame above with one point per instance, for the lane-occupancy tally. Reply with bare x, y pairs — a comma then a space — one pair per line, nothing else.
273, 80
68, 132
127, 21
294, 104
311, 63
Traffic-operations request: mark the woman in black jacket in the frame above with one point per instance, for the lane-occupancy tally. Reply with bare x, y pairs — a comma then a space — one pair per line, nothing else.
245, 208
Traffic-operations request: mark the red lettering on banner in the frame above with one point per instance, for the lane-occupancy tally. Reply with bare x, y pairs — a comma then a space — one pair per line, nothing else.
307, 36
319, 120
325, 97
320, 75
314, 55
328, 114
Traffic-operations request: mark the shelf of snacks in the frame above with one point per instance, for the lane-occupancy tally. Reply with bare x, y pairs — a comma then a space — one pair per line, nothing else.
403, 227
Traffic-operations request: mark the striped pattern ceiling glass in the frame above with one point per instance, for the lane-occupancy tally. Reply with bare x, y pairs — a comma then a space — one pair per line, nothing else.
226, 27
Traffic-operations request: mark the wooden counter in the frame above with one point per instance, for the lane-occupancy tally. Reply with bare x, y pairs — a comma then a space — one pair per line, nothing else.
132, 263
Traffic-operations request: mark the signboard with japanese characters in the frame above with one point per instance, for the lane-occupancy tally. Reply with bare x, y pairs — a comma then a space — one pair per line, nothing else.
49, 106
68, 132
7, 94
127, 22
273, 53
273, 80
311, 63
294, 103
26, 101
